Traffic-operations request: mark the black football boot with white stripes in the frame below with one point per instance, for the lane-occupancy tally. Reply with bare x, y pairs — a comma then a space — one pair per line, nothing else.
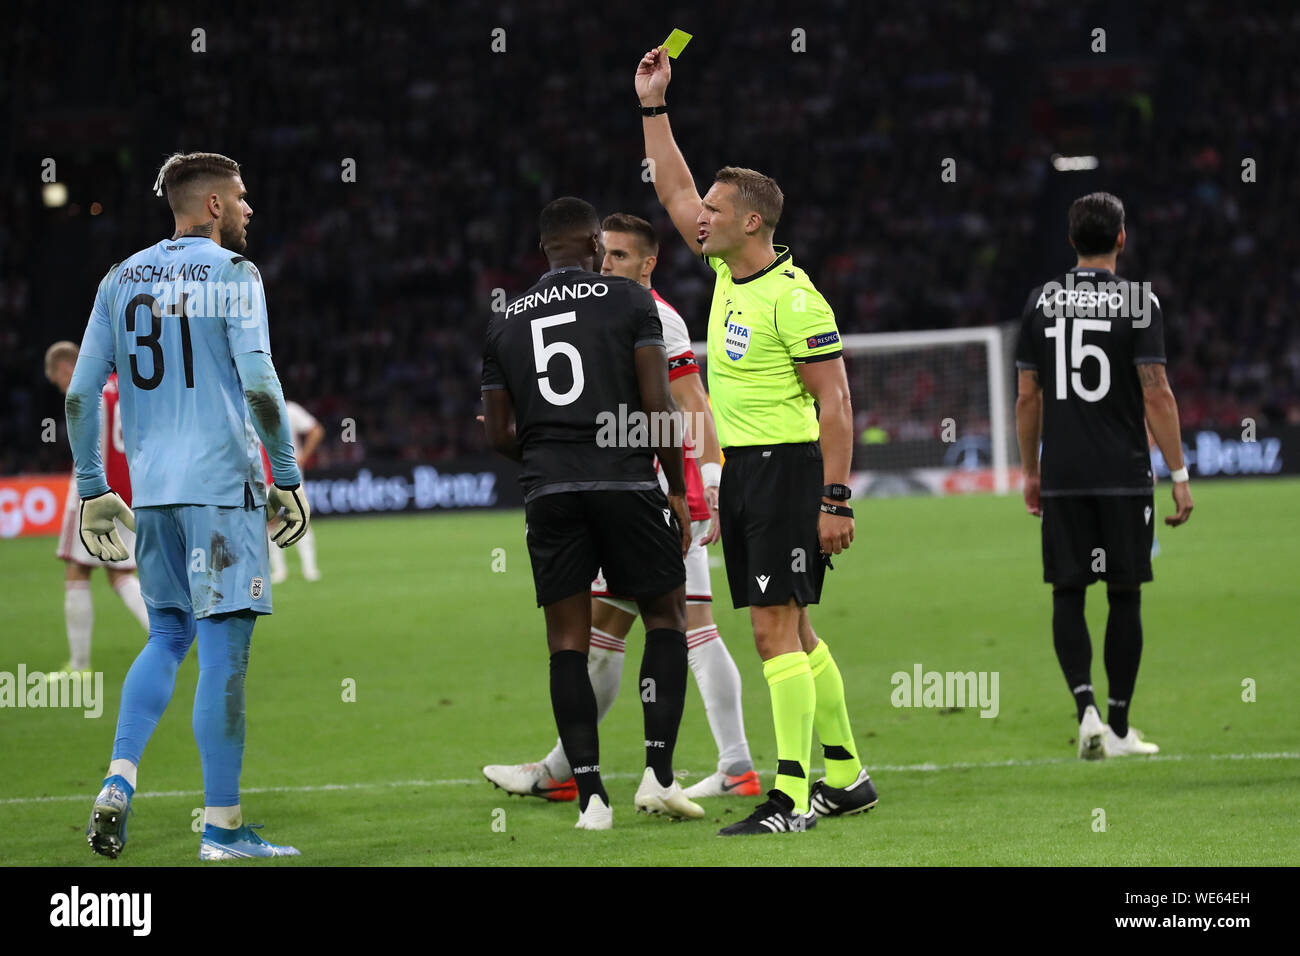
858, 797
775, 815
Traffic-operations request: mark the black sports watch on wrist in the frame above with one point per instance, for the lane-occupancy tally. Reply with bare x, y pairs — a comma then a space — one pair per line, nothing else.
654, 110
838, 492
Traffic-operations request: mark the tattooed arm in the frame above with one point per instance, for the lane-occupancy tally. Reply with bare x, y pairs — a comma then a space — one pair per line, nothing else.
1162, 420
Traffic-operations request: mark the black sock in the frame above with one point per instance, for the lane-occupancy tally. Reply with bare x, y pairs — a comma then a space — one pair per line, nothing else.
1073, 646
663, 695
574, 704
1123, 653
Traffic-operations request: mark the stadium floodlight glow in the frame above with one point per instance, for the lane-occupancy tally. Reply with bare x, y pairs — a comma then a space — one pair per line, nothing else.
54, 195
1074, 164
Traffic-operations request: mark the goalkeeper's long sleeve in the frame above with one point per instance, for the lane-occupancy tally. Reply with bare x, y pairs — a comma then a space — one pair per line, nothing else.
81, 409
270, 417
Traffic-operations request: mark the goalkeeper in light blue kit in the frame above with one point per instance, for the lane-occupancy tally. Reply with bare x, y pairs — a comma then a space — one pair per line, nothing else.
184, 324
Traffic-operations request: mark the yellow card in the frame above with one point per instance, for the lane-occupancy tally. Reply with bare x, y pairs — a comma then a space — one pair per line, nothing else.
676, 42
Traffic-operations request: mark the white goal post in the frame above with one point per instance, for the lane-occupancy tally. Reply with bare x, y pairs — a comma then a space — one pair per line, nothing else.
932, 409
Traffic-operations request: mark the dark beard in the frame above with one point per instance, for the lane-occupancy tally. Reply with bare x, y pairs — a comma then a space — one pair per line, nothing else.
232, 236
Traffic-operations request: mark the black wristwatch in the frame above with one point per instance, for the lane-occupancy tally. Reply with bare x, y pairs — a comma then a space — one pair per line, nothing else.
654, 110
838, 492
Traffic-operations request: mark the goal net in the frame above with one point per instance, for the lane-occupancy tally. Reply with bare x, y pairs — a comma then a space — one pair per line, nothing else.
933, 410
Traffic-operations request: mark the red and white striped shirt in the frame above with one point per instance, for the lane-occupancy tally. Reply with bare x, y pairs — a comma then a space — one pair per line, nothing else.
112, 445
681, 361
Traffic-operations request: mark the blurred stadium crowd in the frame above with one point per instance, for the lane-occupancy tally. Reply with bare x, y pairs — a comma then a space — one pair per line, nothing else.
379, 289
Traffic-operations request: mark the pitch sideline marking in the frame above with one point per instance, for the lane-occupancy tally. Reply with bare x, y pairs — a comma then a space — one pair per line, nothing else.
890, 768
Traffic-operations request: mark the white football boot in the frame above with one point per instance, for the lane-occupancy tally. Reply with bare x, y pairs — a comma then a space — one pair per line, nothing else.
725, 785
1092, 735
531, 780
1117, 746
597, 816
652, 798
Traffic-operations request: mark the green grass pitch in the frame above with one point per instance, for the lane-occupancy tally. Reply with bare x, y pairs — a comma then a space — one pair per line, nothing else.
450, 669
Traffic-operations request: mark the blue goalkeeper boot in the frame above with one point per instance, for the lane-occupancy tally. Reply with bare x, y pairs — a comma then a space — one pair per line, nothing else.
106, 831
239, 844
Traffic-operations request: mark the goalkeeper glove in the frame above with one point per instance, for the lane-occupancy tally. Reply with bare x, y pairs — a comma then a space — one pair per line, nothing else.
296, 514
98, 526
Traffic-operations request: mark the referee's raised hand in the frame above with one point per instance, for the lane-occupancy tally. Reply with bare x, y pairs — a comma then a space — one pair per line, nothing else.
652, 76
835, 532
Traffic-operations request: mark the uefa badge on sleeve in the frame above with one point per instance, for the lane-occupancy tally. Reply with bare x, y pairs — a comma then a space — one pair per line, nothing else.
255, 588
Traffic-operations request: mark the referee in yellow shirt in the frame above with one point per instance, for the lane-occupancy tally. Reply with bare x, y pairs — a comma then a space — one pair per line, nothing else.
774, 356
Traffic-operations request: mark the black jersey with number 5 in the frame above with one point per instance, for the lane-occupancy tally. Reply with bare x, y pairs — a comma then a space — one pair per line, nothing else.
565, 352
1084, 333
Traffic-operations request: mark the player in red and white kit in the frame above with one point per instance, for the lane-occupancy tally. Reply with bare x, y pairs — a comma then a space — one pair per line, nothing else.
307, 434
631, 251
78, 608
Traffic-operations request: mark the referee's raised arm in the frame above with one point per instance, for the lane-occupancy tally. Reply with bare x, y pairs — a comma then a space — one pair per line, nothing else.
669, 172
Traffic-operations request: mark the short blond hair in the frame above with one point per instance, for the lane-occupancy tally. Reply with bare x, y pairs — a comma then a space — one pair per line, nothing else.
758, 193
64, 351
180, 170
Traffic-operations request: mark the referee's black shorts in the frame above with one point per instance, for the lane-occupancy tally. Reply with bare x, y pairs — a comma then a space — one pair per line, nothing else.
768, 503
1089, 538
633, 536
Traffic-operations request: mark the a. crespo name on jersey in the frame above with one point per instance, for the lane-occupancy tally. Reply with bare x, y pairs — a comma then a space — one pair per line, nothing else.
1083, 298
557, 293
1107, 299
172, 272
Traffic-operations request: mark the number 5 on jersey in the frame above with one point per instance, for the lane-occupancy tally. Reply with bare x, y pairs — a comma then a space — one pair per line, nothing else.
543, 353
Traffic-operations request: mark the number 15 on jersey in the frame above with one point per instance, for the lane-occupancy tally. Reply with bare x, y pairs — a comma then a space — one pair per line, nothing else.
1080, 352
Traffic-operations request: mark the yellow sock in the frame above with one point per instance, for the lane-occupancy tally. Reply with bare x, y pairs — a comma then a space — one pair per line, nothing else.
831, 719
794, 699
